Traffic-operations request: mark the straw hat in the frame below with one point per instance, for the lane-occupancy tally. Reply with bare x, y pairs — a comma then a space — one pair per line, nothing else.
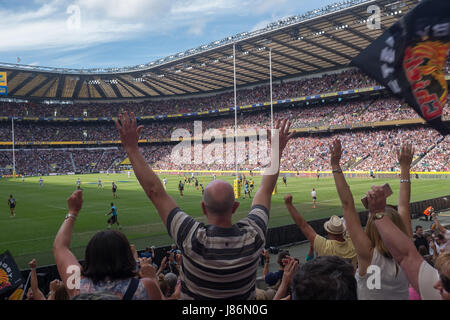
334, 225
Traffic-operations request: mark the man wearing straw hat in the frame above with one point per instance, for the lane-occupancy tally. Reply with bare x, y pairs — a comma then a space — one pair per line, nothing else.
337, 243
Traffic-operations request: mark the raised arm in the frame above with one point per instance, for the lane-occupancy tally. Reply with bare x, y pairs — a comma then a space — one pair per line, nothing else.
64, 258
307, 230
359, 238
399, 245
129, 135
405, 156
290, 269
264, 194
439, 226
37, 294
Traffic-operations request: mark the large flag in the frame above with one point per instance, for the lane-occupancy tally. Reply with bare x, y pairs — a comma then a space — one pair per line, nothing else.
409, 59
11, 283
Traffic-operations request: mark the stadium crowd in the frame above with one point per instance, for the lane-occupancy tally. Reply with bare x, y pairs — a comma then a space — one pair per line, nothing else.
349, 79
206, 261
344, 114
305, 152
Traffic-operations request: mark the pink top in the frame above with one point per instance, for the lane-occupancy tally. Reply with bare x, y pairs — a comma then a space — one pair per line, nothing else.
413, 295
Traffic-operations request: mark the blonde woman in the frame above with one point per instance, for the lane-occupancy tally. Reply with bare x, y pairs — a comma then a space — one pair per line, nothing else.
389, 282
431, 283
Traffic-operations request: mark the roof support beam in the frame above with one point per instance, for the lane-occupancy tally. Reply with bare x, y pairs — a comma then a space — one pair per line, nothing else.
128, 83
315, 66
192, 82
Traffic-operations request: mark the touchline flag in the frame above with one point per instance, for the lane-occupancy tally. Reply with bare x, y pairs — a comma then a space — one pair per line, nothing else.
409, 59
11, 283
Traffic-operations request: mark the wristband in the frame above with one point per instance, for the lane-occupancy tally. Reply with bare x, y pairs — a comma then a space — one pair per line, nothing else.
405, 180
337, 170
71, 215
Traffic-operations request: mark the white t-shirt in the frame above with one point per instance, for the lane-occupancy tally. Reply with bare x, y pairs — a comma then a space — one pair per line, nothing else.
394, 284
164, 181
428, 276
313, 194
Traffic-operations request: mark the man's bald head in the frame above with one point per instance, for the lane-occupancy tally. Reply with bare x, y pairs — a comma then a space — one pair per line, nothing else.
219, 197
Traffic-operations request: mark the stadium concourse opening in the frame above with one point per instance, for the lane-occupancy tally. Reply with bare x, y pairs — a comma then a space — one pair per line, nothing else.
63, 131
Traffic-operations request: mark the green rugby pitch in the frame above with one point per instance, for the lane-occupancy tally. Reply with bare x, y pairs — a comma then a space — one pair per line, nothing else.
40, 211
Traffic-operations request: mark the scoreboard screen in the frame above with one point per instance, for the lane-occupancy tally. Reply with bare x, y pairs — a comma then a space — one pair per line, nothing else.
3, 84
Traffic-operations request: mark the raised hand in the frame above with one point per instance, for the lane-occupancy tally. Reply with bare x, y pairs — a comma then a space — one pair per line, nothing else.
128, 130
283, 134
32, 264
376, 199
75, 202
288, 199
147, 271
54, 285
405, 155
335, 152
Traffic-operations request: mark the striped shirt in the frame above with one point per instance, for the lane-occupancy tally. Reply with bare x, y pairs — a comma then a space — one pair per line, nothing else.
219, 263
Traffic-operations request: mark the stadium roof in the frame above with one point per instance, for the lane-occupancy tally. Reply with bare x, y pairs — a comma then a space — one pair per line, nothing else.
320, 40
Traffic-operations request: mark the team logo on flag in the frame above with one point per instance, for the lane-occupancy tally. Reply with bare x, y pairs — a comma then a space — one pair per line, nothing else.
409, 58
11, 284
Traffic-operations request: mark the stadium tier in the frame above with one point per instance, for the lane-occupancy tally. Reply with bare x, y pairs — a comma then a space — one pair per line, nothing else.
207, 116
92, 144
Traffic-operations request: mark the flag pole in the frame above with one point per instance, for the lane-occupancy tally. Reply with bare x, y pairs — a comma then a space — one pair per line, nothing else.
26, 284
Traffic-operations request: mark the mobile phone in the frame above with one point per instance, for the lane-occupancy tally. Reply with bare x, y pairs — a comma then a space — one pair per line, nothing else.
387, 192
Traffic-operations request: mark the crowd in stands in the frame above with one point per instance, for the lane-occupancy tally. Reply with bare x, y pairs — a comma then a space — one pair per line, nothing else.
34, 162
346, 114
305, 152
207, 260
345, 80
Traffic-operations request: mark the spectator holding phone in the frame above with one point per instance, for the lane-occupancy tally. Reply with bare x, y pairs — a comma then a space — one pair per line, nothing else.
431, 283
370, 248
273, 279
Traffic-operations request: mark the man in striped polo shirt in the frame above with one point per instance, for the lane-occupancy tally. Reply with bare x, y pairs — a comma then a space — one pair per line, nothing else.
220, 259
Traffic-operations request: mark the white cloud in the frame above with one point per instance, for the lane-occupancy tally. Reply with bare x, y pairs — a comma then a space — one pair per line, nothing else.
44, 25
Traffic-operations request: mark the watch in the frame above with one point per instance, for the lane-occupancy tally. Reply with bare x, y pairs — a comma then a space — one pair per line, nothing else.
379, 215
69, 215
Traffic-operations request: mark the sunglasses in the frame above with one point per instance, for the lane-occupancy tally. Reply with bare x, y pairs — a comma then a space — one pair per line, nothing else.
445, 282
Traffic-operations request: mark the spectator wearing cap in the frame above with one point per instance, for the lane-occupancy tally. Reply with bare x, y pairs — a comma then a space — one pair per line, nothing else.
336, 244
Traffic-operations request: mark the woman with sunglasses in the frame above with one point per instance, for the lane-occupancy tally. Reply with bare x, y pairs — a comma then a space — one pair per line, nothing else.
431, 283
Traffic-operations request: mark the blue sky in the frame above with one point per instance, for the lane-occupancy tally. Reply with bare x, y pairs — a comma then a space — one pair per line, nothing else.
116, 33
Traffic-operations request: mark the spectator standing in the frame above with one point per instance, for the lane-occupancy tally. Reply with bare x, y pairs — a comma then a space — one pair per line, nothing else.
109, 264
336, 245
214, 265
369, 246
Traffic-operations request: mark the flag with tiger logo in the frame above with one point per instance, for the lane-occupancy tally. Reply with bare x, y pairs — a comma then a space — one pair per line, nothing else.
409, 58
11, 282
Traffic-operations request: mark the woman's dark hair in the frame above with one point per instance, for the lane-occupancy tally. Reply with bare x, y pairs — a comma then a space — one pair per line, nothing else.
61, 293
325, 278
108, 257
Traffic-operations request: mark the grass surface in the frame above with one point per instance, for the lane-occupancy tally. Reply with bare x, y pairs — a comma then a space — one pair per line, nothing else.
40, 211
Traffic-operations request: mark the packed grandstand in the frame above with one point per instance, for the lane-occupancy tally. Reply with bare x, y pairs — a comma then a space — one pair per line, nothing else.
64, 122
376, 122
